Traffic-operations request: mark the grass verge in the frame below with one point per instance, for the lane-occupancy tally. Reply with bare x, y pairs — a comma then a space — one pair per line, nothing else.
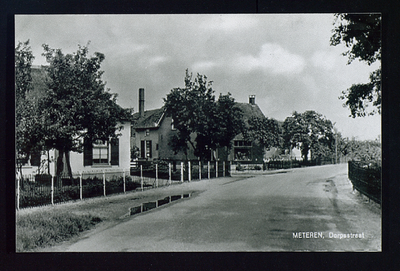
46, 228
42, 229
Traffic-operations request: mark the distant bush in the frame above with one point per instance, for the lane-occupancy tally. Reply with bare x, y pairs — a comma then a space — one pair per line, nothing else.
239, 167
257, 167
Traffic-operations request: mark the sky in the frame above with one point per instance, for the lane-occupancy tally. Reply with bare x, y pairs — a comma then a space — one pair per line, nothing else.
284, 59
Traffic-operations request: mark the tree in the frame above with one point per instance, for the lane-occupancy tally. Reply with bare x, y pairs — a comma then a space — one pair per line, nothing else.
361, 33
368, 151
264, 131
309, 131
201, 121
76, 109
27, 126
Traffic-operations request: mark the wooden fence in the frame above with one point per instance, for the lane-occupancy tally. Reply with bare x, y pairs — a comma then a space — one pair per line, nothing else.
38, 190
366, 179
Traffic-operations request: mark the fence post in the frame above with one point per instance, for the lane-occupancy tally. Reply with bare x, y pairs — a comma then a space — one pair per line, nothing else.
52, 191
124, 181
216, 169
189, 172
18, 192
141, 176
169, 173
80, 185
199, 170
208, 169
156, 175
223, 169
181, 172
104, 182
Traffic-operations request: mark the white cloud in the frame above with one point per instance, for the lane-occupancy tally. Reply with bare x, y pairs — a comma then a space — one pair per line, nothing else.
229, 22
202, 66
325, 60
272, 58
156, 60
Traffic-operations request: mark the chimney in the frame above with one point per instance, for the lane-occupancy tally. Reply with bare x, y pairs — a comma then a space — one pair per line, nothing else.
252, 99
141, 102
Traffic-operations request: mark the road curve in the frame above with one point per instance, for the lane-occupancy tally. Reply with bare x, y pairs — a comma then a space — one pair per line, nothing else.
305, 209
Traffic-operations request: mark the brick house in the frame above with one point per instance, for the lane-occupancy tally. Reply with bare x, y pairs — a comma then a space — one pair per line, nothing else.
151, 131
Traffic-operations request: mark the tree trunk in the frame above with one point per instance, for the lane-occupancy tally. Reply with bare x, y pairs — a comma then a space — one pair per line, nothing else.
61, 171
19, 173
69, 171
304, 152
60, 163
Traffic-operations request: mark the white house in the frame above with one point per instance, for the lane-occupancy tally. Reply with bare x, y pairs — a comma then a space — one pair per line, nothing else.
102, 155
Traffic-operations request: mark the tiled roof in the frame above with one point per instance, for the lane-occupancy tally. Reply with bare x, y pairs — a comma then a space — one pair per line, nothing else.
249, 110
151, 119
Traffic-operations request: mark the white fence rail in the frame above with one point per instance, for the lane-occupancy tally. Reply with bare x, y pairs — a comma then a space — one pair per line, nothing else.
37, 190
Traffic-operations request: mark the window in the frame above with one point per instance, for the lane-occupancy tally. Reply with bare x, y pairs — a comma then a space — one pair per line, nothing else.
148, 149
145, 149
100, 152
242, 143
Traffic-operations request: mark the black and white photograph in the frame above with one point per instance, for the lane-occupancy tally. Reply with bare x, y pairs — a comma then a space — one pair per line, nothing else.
198, 132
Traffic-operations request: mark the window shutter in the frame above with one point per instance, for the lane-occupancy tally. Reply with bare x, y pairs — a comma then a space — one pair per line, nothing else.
150, 149
115, 152
142, 149
35, 159
87, 154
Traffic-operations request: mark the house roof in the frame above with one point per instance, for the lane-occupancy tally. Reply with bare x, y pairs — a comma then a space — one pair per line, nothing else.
249, 110
151, 119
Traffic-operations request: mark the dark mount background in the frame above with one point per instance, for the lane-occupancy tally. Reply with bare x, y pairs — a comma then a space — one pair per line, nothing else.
390, 140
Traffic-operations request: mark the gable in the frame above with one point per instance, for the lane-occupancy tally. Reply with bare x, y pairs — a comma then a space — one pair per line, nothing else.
249, 110
151, 119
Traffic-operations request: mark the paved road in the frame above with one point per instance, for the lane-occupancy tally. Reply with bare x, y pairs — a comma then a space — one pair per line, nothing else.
259, 213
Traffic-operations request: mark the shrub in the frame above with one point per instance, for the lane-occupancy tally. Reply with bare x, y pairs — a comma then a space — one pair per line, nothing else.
66, 193
34, 197
257, 167
115, 185
239, 167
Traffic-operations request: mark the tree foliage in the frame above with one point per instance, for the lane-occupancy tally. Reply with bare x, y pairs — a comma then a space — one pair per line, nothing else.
76, 109
266, 132
200, 120
308, 131
361, 33
27, 126
365, 151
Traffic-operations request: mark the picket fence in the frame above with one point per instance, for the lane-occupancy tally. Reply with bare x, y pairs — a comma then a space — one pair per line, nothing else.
39, 190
